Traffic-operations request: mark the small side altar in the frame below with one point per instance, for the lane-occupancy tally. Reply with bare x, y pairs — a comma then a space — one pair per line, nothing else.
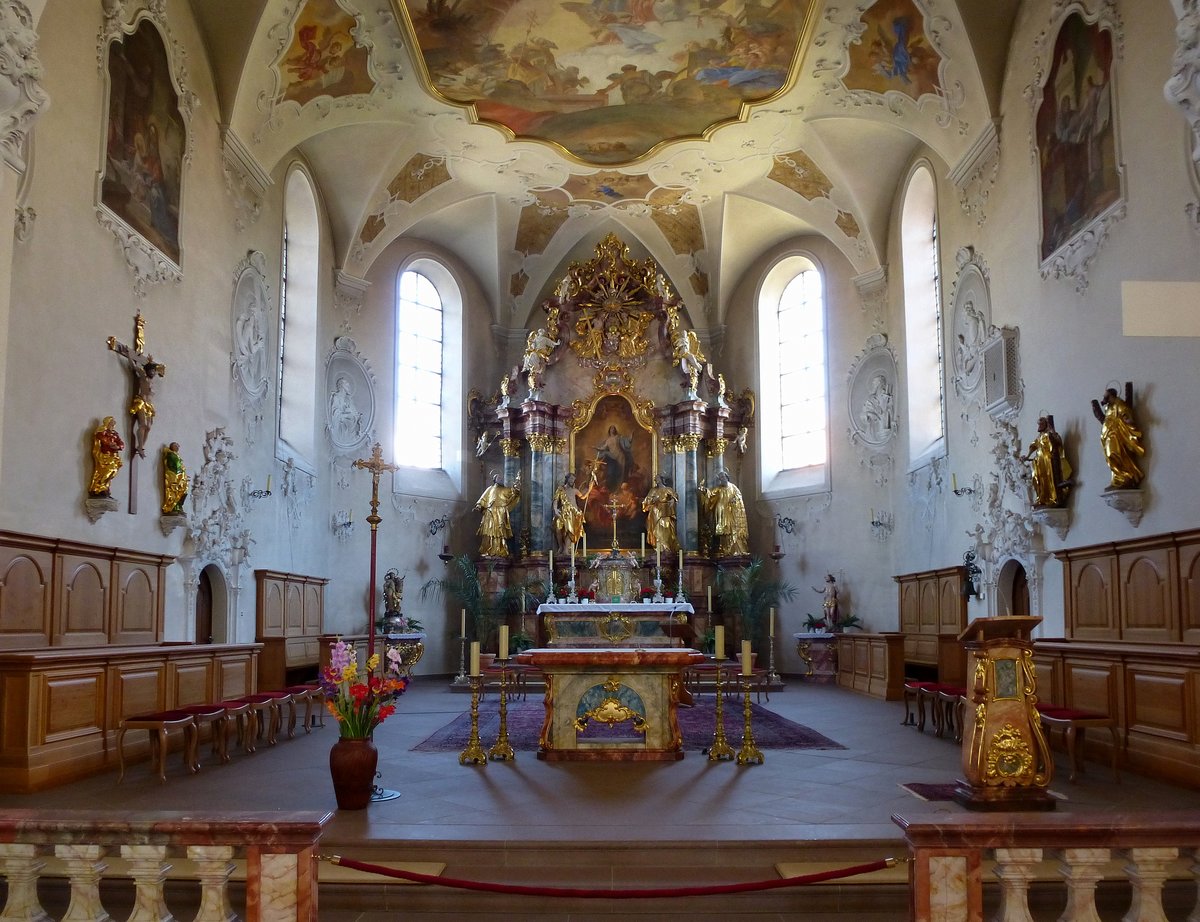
818, 651
611, 704
653, 624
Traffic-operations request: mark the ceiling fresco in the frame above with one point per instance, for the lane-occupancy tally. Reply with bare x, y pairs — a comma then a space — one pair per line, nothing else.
894, 54
323, 58
608, 81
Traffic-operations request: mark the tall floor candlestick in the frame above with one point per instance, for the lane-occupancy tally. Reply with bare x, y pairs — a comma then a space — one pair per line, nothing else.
502, 750
474, 754
749, 754
720, 750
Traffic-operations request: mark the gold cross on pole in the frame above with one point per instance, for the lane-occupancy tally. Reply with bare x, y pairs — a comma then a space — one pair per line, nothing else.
612, 507
376, 465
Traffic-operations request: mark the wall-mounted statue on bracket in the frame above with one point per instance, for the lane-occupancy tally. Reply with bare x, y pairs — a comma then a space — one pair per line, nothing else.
107, 446
1050, 475
1121, 439
175, 480
724, 506
660, 506
496, 502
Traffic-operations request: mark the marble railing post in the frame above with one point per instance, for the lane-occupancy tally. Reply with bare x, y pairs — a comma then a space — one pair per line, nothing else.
214, 866
148, 868
1082, 868
20, 866
84, 866
1015, 867
1148, 870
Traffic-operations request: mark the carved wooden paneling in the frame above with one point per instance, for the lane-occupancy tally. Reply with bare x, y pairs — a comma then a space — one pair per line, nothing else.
293, 609
952, 606
26, 597
314, 609
191, 681
1091, 686
137, 688
1158, 702
910, 604
73, 704
234, 676
83, 602
1148, 609
927, 612
270, 608
137, 608
872, 664
1189, 591
1092, 607
1048, 672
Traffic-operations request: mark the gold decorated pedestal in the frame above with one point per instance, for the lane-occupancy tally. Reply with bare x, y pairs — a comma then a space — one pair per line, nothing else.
411, 648
1006, 760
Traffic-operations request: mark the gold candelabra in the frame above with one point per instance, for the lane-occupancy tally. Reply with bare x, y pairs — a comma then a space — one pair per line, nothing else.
474, 754
720, 750
749, 754
502, 750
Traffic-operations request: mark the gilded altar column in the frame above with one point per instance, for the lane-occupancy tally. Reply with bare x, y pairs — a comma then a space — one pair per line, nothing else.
544, 451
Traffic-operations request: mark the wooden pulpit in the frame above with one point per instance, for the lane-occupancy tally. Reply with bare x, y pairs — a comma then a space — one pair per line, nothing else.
1005, 757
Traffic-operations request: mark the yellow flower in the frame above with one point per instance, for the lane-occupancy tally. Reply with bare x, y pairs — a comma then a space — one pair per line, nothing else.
373, 663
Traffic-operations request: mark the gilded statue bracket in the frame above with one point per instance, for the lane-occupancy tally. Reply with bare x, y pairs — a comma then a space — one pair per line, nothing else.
1130, 503
1059, 520
169, 522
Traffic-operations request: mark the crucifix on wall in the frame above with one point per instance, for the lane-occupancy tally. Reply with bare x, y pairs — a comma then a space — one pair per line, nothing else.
145, 373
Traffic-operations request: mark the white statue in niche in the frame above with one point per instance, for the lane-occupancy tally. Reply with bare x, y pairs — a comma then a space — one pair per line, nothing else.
345, 418
877, 410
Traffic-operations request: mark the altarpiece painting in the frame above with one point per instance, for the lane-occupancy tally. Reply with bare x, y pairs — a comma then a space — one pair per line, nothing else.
614, 461
1080, 172
146, 140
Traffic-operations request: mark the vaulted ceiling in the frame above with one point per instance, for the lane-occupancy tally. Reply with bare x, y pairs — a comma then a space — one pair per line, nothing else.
519, 132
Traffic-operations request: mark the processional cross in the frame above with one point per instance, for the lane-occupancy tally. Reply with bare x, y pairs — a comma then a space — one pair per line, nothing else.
376, 465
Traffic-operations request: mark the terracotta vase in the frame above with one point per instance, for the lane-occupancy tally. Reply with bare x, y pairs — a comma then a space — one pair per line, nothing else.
352, 765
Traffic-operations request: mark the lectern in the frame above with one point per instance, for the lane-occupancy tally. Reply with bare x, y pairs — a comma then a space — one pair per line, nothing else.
1005, 757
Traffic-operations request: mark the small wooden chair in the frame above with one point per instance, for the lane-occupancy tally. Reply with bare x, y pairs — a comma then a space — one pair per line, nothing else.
1075, 723
306, 694
912, 696
237, 716
159, 724
951, 700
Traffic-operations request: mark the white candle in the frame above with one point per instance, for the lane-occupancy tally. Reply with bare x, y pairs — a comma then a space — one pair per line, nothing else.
771, 623
268, 483
504, 641
954, 481
522, 601
719, 642
710, 599
747, 659
572, 559
585, 545
474, 657
643, 554
658, 557
552, 566
462, 623
681, 560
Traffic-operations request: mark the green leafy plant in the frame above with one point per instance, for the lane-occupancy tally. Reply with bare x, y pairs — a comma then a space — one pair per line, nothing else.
519, 642
749, 593
485, 609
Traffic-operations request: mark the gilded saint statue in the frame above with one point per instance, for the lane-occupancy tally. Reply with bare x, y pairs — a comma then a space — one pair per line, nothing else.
568, 517
175, 480
393, 592
1121, 439
1050, 475
107, 446
727, 512
660, 505
495, 528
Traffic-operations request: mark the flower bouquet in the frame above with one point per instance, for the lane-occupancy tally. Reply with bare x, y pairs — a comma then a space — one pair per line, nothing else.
361, 704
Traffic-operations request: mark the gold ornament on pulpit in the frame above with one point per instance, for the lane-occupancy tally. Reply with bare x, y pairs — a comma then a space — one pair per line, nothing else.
1006, 759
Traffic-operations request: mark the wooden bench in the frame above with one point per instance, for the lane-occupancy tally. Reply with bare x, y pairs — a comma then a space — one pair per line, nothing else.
214, 716
1075, 723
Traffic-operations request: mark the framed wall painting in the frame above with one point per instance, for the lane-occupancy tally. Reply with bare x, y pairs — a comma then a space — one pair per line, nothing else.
619, 451
146, 146
1080, 176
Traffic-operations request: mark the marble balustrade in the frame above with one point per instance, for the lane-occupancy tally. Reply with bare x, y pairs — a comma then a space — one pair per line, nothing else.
949, 854
86, 847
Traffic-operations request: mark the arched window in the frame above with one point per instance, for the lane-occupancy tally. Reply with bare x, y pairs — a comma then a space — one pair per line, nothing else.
794, 418
297, 397
922, 318
428, 395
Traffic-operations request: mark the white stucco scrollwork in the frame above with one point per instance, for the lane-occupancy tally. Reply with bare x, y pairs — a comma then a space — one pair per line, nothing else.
248, 359
21, 94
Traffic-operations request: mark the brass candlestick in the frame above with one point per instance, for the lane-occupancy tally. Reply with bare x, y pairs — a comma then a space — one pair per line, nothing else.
720, 750
462, 678
502, 750
474, 754
749, 754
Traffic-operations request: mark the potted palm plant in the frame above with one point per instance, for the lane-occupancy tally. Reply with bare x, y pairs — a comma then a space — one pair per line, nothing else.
486, 609
749, 593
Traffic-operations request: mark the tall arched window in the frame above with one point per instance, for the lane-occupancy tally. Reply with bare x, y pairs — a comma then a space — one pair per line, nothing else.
922, 317
297, 397
794, 419
428, 395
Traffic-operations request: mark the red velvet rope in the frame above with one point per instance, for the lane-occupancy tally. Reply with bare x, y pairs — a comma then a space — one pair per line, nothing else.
590, 893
